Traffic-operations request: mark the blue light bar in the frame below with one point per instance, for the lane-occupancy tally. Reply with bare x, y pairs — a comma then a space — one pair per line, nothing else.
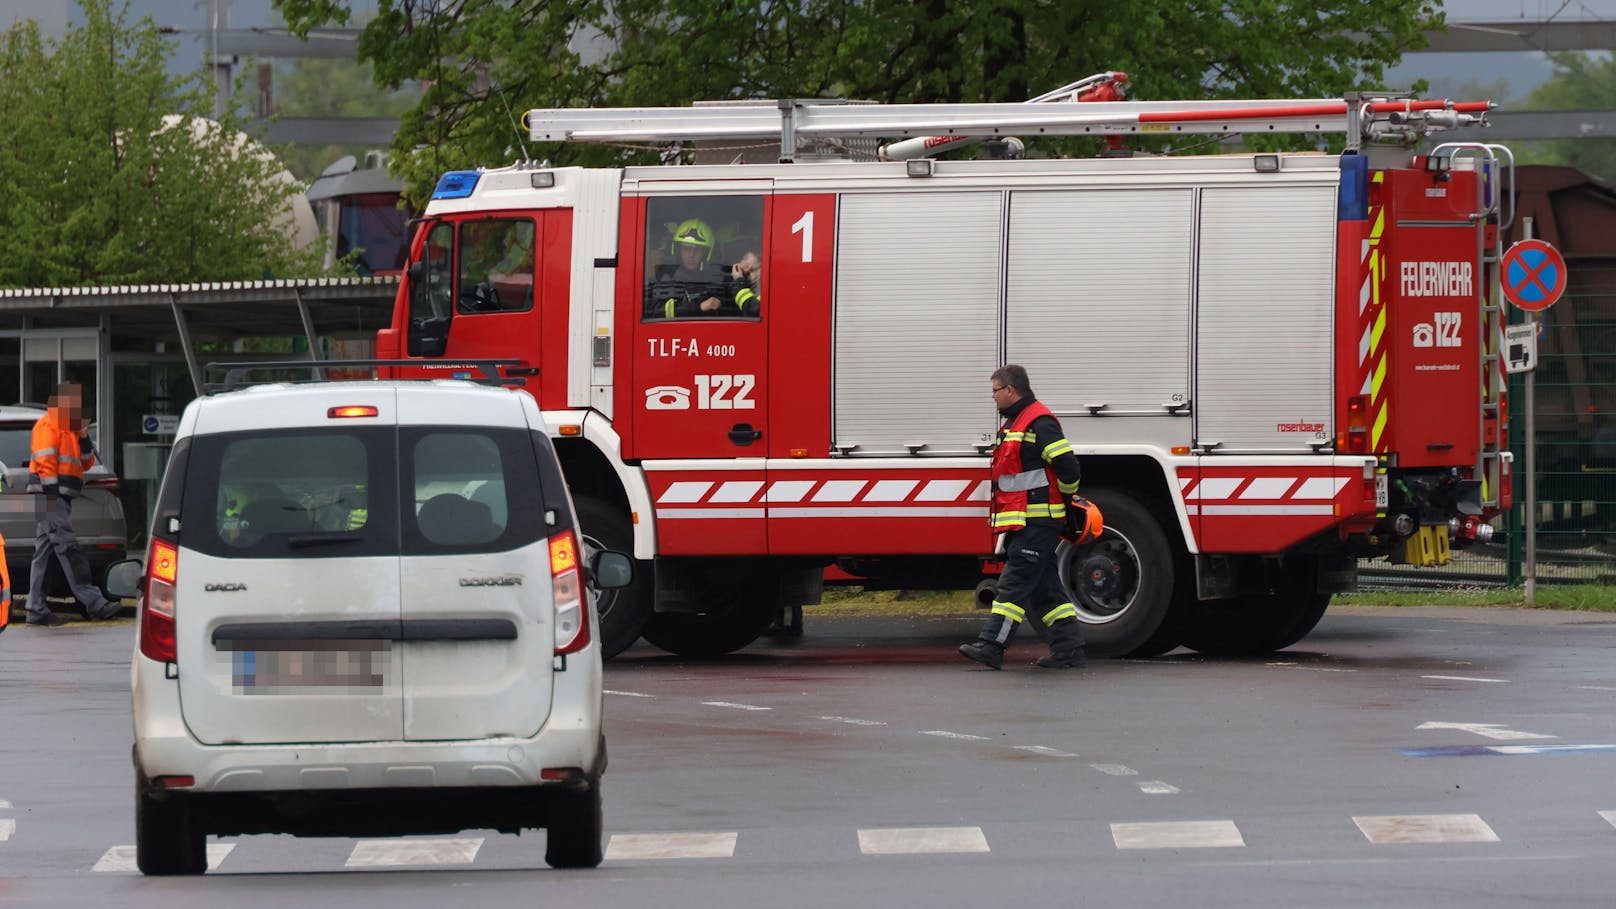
456, 184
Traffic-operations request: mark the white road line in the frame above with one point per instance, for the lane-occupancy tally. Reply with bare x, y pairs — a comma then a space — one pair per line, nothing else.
122, 858
852, 721
962, 736
1425, 828
625, 847
1115, 769
1461, 678
5, 805
7, 828
627, 694
1176, 835
921, 840
1596, 688
1609, 816
1157, 787
1045, 750
1308, 668
734, 706
1489, 730
388, 853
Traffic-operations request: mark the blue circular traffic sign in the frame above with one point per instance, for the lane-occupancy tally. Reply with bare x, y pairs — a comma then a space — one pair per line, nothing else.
148, 425
1534, 275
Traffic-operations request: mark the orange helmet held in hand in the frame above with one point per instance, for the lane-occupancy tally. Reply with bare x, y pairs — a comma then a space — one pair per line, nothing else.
1084, 524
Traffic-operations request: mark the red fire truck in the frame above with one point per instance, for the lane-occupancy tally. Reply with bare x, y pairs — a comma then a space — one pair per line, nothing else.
1270, 364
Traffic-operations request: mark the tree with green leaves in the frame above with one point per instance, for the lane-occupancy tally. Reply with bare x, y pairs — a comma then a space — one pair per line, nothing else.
113, 172
489, 60
1580, 82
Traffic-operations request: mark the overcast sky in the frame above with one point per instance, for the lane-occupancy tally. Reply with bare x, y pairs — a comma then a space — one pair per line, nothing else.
1446, 72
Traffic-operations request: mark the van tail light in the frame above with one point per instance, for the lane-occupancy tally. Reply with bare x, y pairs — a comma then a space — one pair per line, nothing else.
157, 606
1356, 440
567, 588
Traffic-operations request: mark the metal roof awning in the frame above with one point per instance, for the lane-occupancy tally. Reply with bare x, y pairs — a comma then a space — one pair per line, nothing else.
339, 307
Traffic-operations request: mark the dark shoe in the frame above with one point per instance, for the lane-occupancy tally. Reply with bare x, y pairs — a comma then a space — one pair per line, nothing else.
51, 620
111, 612
1064, 659
987, 653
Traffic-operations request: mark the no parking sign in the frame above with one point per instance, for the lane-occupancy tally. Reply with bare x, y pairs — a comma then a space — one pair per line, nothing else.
1534, 275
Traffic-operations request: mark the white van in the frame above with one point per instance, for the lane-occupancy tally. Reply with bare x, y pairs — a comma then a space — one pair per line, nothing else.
363, 614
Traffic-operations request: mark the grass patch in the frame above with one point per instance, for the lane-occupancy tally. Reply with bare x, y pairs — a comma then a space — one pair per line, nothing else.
856, 601
1588, 597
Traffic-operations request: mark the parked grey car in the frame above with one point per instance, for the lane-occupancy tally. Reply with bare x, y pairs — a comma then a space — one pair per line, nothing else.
97, 516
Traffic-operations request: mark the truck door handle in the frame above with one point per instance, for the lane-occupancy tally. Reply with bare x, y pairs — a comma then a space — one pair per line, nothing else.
743, 434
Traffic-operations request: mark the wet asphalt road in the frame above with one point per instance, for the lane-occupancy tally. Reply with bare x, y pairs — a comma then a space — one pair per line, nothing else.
1395, 758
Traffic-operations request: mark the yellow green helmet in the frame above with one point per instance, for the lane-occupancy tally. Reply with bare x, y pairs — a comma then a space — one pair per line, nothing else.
694, 232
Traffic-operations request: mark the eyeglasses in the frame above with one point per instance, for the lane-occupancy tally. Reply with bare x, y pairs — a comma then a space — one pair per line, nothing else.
999, 388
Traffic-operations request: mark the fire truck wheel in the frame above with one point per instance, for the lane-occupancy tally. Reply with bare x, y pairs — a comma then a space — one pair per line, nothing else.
1176, 623
1311, 612
736, 617
1122, 583
623, 611
1255, 624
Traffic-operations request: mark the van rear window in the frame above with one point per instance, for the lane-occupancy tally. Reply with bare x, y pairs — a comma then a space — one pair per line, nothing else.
361, 491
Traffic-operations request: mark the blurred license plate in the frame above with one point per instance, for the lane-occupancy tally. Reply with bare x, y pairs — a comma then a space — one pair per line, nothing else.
311, 667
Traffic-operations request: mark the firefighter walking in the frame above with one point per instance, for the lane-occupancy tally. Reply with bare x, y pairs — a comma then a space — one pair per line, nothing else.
1035, 477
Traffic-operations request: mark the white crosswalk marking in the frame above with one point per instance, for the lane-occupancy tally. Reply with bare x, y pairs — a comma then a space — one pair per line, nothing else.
1115, 769
853, 721
961, 736
7, 828
122, 858
1044, 750
1157, 787
388, 853
631, 846
1176, 835
734, 706
921, 840
1609, 816
1425, 828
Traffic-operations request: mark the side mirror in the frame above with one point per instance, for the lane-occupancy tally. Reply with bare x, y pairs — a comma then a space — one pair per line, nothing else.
123, 578
609, 569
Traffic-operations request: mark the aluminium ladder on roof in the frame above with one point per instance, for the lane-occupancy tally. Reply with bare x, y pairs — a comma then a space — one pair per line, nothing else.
790, 120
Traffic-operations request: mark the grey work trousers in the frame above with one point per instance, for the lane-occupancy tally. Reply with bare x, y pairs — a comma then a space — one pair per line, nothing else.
54, 538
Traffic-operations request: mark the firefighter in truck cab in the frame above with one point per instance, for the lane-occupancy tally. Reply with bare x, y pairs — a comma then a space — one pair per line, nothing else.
1035, 478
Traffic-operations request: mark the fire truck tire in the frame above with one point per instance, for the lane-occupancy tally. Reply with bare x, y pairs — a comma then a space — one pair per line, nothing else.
1175, 624
622, 612
1259, 623
735, 618
1311, 612
1122, 584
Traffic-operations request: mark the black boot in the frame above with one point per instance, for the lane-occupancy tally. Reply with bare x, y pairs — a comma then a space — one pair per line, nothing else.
1072, 658
988, 653
1065, 645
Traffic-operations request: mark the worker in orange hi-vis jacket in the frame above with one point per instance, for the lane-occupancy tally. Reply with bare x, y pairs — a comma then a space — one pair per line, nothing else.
5, 587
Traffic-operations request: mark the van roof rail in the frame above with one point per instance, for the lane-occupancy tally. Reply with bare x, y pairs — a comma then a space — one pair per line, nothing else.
480, 371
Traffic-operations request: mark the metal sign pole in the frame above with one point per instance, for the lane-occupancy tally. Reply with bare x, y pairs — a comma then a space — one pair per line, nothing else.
1529, 518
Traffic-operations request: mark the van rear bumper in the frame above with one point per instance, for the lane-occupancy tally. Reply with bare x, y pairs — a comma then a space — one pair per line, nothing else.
569, 738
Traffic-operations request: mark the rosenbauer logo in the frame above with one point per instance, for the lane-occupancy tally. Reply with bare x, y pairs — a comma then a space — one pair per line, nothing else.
1299, 427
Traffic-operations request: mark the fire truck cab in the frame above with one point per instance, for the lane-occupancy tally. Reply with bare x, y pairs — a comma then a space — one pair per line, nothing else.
1270, 365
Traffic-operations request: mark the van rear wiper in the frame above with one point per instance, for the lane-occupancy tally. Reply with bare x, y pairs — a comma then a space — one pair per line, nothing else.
321, 539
